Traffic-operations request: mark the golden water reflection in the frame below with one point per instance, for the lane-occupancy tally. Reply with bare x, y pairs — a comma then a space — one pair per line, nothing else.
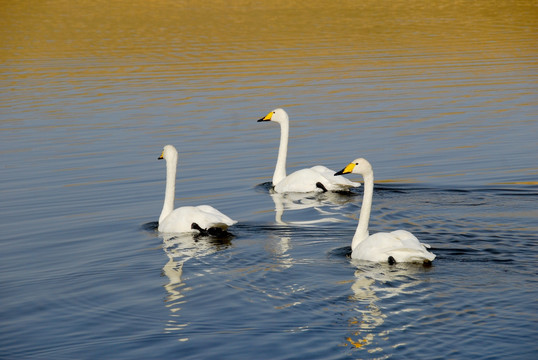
450, 80
206, 31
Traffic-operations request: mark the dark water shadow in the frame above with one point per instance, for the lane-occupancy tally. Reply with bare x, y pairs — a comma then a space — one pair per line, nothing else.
150, 226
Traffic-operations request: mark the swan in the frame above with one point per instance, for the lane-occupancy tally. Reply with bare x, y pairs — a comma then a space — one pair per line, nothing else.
197, 219
394, 247
317, 178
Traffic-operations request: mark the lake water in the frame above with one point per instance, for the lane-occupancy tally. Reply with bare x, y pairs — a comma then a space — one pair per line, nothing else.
441, 97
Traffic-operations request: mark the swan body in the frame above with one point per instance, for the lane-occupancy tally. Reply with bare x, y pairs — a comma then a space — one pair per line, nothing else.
205, 216
186, 218
396, 246
314, 179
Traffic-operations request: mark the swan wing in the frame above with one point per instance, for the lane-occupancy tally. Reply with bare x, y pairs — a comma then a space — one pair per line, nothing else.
213, 217
409, 240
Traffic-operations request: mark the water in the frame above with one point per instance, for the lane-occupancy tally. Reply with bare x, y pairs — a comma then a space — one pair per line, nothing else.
441, 99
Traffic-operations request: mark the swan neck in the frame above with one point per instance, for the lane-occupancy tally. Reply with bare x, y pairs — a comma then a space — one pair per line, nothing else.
279, 208
364, 218
169, 194
280, 169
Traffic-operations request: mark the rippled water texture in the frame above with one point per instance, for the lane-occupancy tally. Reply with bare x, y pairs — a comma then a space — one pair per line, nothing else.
441, 97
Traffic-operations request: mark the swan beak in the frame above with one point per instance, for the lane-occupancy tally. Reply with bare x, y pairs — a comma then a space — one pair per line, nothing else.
161, 157
348, 169
267, 117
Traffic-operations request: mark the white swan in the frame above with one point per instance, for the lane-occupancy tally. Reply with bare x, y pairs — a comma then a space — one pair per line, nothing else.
203, 218
396, 246
317, 178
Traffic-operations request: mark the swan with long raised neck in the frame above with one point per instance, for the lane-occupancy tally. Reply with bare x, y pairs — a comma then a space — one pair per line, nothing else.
393, 247
315, 179
197, 219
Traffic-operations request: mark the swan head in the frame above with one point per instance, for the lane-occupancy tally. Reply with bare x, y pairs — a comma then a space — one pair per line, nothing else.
358, 166
169, 153
277, 115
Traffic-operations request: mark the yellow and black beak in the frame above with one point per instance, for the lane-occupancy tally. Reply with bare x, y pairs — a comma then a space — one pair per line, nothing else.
267, 117
346, 170
161, 157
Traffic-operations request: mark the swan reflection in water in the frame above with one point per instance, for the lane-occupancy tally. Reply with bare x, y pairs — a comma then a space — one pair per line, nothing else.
317, 201
374, 286
279, 240
179, 248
